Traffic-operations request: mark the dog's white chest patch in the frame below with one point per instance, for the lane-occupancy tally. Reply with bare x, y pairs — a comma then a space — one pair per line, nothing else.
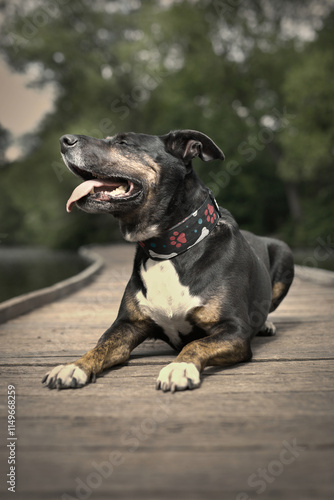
167, 301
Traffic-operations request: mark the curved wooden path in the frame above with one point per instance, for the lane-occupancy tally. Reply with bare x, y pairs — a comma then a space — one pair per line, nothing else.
258, 430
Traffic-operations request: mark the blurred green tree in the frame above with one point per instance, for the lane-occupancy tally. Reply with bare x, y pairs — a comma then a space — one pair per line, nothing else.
307, 158
5, 140
221, 67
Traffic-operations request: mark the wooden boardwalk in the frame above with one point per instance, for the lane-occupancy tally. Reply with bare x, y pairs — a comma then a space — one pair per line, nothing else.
258, 430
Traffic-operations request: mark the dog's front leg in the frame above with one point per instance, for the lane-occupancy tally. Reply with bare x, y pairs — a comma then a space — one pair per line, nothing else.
113, 348
217, 349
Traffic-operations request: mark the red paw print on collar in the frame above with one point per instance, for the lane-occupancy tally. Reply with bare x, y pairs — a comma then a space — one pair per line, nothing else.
178, 239
208, 212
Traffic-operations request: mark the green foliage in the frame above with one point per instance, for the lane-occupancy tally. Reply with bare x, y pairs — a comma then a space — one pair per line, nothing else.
309, 92
5, 139
307, 146
224, 68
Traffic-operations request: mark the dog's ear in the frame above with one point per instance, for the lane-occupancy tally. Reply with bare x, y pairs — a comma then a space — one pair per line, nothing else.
187, 144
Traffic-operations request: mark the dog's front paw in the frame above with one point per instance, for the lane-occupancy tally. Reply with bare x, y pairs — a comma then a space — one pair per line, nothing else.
66, 377
178, 376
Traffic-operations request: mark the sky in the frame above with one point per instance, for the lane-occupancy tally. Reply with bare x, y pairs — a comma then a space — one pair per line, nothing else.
21, 108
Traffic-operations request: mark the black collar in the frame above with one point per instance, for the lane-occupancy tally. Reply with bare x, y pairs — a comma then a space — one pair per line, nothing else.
186, 234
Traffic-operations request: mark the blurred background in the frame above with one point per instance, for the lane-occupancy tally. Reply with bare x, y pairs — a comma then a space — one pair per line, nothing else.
254, 75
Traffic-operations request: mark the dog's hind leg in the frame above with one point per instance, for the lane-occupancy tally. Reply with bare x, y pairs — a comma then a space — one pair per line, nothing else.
281, 270
268, 330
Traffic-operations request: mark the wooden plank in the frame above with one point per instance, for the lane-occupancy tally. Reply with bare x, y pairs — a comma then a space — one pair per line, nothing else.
211, 443
251, 377
161, 431
304, 340
172, 474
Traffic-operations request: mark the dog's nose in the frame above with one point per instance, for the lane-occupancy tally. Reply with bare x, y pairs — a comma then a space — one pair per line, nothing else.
67, 141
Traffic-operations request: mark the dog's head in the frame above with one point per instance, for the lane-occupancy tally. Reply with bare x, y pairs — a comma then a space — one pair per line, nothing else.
135, 176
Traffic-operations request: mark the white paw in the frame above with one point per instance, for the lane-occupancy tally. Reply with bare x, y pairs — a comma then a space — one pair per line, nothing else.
65, 376
178, 376
268, 330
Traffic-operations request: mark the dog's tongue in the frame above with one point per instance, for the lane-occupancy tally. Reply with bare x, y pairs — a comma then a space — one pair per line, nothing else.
85, 188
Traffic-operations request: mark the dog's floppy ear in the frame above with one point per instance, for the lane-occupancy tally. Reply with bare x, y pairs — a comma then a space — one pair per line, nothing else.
187, 144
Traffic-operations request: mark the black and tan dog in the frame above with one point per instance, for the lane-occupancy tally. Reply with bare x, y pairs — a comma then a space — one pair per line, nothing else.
198, 282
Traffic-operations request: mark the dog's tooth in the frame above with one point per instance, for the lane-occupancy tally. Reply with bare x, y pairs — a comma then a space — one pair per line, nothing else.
120, 190
91, 191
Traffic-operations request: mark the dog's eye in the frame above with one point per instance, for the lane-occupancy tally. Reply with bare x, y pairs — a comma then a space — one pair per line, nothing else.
121, 141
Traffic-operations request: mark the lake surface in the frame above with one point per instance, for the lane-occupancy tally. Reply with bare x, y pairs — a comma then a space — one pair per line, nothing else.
319, 258
24, 269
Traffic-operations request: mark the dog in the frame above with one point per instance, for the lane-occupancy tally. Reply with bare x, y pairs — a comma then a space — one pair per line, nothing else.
198, 282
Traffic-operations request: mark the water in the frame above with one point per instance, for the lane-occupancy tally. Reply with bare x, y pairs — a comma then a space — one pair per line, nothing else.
24, 269
321, 259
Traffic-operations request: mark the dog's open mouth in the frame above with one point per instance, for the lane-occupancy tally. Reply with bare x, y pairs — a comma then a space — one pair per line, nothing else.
100, 190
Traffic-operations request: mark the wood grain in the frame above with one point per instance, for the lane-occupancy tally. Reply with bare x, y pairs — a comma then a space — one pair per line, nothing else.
122, 439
